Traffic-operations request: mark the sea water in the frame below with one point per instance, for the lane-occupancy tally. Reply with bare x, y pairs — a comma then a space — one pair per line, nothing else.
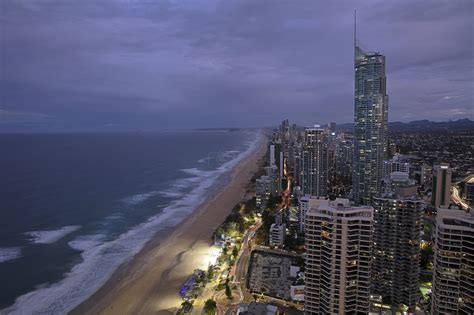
73, 207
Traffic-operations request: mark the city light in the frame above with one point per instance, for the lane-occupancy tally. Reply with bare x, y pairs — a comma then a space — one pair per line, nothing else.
457, 198
213, 255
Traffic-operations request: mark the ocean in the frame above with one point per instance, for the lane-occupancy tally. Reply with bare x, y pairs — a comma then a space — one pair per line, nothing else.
73, 207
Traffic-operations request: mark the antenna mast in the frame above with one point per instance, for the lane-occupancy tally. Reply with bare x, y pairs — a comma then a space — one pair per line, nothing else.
355, 31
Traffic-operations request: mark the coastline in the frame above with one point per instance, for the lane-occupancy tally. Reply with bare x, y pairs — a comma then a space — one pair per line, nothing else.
150, 282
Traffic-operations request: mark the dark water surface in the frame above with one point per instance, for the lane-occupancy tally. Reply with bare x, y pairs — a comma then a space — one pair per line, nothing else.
75, 206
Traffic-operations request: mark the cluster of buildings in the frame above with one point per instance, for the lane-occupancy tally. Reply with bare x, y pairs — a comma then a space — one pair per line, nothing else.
433, 147
362, 240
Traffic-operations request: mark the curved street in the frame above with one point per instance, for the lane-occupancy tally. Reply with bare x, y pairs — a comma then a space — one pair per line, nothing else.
456, 194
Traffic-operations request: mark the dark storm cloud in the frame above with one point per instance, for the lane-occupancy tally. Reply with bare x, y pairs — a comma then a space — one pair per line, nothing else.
149, 64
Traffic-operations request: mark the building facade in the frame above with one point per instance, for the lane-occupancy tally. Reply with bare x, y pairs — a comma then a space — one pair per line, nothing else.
453, 270
277, 234
305, 203
314, 162
426, 175
397, 231
344, 156
370, 124
441, 190
338, 244
266, 186
398, 163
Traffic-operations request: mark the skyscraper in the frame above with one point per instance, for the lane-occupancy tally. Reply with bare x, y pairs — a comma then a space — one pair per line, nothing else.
272, 155
441, 190
344, 156
338, 244
285, 133
370, 123
397, 229
314, 162
305, 203
453, 270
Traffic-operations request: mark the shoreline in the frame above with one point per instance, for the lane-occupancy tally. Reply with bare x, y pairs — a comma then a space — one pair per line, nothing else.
150, 282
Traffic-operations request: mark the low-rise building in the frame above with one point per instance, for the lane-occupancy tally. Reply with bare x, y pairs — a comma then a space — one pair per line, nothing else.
269, 272
254, 308
297, 292
277, 234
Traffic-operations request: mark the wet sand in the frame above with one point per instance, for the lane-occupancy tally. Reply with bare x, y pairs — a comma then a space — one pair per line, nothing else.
150, 283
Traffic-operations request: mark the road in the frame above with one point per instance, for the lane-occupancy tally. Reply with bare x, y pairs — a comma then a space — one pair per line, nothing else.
242, 263
456, 195
286, 194
240, 269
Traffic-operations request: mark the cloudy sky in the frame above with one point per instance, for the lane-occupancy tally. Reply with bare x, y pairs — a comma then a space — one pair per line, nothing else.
93, 65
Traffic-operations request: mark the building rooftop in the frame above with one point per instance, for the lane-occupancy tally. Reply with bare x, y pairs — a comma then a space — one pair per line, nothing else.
257, 309
340, 203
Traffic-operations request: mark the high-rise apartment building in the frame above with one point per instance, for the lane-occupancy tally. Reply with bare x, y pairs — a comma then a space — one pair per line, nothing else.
285, 136
426, 175
272, 156
296, 162
338, 244
305, 203
370, 124
398, 163
453, 271
266, 186
332, 154
344, 156
397, 230
440, 193
314, 162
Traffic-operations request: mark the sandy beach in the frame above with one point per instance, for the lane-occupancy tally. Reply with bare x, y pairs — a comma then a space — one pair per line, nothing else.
150, 283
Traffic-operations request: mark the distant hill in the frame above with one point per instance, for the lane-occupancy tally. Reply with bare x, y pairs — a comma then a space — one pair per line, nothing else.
421, 125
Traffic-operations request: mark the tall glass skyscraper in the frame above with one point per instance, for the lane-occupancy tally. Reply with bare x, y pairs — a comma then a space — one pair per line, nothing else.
314, 162
370, 124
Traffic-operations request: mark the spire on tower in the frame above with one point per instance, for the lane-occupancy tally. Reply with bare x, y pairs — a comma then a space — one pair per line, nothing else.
355, 28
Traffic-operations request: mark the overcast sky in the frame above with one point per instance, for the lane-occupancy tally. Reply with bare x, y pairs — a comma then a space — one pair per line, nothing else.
73, 65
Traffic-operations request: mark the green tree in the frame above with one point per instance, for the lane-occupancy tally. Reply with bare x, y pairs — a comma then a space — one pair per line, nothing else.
426, 256
186, 306
267, 218
225, 249
274, 201
210, 272
210, 307
235, 252
228, 291
250, 205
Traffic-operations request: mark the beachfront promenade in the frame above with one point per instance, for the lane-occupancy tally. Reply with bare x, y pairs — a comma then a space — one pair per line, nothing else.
239, 272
